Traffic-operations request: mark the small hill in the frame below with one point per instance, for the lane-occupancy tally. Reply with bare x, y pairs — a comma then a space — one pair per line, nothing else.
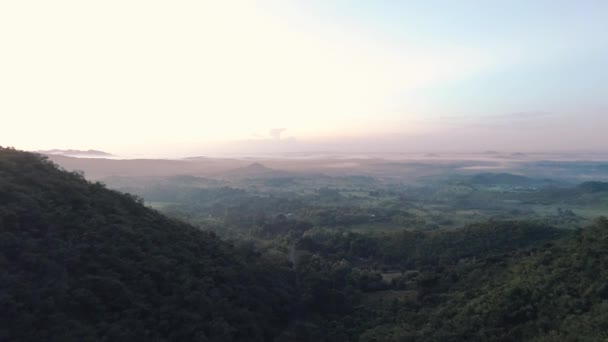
80, 262
256, 167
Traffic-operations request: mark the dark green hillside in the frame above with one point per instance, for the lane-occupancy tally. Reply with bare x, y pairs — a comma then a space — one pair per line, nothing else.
79, 262
556, 293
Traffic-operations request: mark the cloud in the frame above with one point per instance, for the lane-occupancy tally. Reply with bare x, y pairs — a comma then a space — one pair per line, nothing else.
516, 120
275, 133
523, 115
526, 115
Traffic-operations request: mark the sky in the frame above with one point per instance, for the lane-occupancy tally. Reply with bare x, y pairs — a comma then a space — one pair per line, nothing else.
177, 78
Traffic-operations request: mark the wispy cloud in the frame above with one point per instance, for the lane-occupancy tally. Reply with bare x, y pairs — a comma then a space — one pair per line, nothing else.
275, 133
525, 115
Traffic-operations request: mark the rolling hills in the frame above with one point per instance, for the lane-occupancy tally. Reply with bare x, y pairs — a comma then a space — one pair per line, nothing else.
81, 262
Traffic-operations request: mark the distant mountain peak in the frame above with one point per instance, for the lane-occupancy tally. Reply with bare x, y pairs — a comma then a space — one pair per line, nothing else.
76, 153
196, 158
257, 167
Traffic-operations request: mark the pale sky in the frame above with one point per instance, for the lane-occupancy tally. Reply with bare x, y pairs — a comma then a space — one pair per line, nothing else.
194, 77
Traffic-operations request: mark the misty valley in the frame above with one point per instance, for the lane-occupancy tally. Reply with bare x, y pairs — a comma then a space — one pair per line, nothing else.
303, 171
303, 249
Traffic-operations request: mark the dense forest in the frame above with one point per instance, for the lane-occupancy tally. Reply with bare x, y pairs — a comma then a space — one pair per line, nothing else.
81, 262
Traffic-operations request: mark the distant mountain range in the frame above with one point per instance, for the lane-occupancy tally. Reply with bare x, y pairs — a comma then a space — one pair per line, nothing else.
76, 153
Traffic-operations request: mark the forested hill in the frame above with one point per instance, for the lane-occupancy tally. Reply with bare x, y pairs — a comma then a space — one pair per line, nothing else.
79, 262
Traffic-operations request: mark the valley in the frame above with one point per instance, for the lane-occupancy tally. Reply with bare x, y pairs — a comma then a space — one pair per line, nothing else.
347, 256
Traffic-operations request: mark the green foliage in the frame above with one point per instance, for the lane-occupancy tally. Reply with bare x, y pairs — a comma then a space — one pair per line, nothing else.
411, 249
472, 289
82, 263
79, 262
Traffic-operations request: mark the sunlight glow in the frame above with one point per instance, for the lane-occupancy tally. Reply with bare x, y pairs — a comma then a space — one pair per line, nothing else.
153, 73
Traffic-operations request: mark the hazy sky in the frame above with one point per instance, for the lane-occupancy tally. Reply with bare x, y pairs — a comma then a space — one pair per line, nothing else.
194, 77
